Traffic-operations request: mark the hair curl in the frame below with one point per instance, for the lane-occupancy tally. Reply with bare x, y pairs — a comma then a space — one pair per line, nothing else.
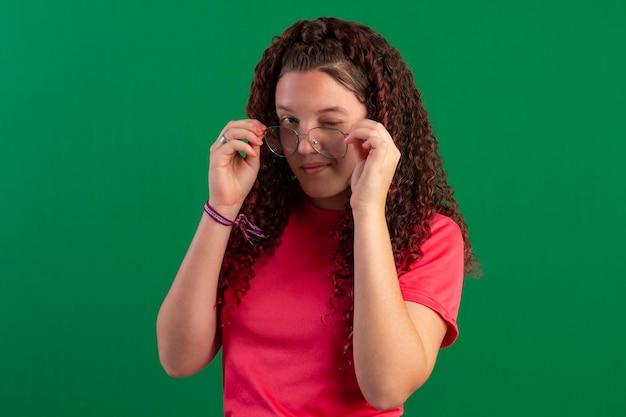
364, 62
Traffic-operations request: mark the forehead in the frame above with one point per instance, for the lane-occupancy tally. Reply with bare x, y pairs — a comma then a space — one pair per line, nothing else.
314, 91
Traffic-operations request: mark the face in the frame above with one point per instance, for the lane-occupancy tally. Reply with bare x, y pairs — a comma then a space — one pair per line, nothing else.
305, 100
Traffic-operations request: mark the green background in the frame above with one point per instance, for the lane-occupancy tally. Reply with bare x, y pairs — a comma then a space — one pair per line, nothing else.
107, 111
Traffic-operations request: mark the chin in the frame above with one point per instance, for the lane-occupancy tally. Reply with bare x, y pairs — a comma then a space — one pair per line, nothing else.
327, 200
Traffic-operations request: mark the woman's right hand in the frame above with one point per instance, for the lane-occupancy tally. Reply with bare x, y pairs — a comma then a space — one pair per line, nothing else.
231, 176
187, 326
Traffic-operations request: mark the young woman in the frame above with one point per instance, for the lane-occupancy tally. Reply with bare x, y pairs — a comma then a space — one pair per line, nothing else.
329, 262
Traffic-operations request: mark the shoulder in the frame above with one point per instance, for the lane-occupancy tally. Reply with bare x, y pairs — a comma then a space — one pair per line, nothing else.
444, 226
446, 240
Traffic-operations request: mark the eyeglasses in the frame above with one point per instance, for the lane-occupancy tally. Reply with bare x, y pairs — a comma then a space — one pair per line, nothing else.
327, 141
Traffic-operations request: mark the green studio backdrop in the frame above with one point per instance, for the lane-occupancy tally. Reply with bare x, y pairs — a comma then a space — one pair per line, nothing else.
107, 111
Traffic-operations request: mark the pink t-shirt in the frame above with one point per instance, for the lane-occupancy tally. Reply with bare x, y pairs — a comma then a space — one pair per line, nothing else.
282, 348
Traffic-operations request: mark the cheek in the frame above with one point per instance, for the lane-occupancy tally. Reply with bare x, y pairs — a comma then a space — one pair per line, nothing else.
291, 163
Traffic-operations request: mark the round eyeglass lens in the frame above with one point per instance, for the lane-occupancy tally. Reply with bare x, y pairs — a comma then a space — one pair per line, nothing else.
283, 141
328, 141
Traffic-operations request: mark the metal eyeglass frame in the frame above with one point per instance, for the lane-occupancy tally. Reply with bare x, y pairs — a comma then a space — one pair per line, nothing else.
312, 141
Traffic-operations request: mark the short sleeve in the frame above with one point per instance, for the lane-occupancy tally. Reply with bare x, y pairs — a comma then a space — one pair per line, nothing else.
436, 280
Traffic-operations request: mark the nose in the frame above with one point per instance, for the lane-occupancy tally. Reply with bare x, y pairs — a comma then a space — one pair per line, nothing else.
305, 144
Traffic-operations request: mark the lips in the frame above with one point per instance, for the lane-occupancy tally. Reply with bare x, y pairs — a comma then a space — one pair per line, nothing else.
314, 168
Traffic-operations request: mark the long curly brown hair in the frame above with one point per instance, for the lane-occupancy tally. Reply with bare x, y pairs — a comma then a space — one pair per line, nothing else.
363, 61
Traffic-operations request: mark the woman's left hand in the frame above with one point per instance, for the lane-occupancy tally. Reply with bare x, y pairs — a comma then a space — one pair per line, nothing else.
378, 158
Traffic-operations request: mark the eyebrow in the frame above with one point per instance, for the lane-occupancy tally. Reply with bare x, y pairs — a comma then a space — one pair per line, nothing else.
335, 109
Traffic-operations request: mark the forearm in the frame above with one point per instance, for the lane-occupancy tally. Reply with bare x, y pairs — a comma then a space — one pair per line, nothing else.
389, 356
187, 321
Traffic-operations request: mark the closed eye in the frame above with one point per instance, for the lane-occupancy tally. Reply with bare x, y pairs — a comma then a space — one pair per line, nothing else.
334, 124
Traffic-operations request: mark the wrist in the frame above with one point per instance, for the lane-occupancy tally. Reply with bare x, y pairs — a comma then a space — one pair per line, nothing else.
249, 230
369, 211
229, 211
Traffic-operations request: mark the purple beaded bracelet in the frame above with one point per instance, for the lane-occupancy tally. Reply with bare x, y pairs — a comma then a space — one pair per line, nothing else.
250, 231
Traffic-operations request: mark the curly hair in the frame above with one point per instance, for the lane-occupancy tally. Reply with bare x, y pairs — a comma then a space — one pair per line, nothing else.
364, 62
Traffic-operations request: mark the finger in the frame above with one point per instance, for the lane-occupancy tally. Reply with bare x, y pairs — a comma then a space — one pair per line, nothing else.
370, 132
250, 130
245, 148
250, 124
239, 146
373, 141
366, 140
238, 134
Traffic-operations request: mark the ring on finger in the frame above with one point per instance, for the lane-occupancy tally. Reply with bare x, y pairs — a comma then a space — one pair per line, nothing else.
224, 140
